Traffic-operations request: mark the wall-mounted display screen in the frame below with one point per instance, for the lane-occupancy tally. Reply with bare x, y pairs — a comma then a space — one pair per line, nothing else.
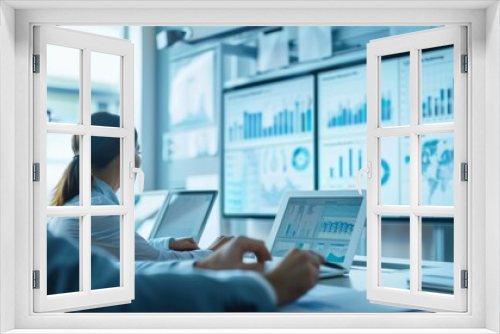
268, 145
191, 93
342, 116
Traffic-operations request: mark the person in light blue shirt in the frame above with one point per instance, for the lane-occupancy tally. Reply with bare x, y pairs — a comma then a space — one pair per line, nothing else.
105, 166
221, 282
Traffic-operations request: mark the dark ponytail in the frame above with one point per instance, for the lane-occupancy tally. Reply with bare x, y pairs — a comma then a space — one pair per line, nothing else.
69, 184
103, 151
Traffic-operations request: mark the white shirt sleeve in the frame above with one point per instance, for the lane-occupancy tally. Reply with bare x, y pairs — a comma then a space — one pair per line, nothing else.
161, 243
155, 250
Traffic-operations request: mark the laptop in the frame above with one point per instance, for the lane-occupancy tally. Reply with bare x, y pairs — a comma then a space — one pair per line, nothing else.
326, 222
148, 207
185, 214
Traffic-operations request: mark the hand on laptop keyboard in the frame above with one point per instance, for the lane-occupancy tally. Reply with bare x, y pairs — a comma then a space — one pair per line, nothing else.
183, 244
219, 242
294, 275
230, 255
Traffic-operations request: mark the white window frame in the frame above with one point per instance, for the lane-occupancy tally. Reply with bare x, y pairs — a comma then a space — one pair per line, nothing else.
86, 44
414, 43
483, 311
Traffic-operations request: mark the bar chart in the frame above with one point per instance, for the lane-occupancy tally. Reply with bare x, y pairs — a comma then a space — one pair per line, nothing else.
340, 161
342, 98
437, 86
345, 115
268, 144
335, 229
283, 122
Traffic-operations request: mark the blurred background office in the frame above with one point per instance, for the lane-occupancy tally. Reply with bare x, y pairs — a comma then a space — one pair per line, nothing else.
256, 111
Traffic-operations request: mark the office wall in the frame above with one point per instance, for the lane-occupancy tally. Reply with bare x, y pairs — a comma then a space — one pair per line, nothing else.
7, 169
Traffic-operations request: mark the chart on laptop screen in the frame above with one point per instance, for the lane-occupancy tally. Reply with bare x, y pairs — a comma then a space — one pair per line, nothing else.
323, 225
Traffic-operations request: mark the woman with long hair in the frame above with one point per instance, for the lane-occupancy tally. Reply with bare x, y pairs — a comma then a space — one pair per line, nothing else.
105, 230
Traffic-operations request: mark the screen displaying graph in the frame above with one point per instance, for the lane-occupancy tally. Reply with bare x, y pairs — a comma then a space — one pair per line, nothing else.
192, 90
342, 127
268, 141
340, 102
437, 85
323, 225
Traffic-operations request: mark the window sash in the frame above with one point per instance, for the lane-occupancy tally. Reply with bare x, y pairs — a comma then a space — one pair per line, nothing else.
413, 43
86, 298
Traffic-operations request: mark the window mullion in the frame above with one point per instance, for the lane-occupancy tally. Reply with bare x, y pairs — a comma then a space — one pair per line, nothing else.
414, 175
85, 153
85, 161
85, 274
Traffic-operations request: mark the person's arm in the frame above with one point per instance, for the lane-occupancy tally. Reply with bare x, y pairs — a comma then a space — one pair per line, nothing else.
155, 251
197, 291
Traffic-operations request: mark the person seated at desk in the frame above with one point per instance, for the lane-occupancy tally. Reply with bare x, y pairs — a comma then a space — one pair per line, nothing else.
105, 166
219, 283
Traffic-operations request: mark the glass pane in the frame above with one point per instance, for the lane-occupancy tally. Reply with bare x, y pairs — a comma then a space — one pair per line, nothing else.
437, 169
395, 90
342, 127
105, 83
106, 179
63, 84
395, 170
63, 169
437, 255
395, 251
437, 85
69, 228
404, 170
106, 240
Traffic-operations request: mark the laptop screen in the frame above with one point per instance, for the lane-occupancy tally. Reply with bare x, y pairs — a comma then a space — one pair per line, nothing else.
324, 225
186, 214
147, 208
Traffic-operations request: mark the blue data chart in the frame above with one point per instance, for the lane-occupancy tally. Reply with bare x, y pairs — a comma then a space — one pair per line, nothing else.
340, 161
437, 86
324, 225
283, 123
301, 158
268, 145
256, 178
342, 98
342, 127
271, 111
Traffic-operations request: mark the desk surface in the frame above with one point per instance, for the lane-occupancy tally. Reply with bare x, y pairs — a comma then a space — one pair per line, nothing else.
347, 294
